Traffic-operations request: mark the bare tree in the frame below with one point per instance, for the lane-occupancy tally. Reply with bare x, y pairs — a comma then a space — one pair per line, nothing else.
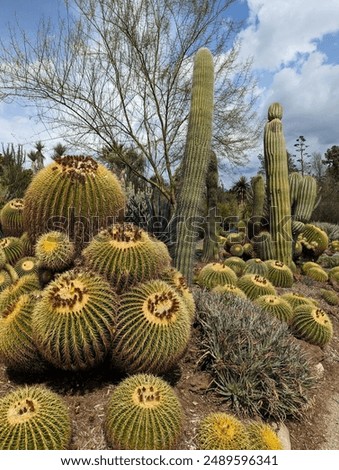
120, 71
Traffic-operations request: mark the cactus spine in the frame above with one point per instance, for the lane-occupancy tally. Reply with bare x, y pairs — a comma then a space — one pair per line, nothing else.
195, 161
278, 190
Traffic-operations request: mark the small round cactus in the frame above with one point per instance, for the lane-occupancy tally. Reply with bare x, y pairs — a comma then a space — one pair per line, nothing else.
23, 285
218, 431
17, 347
263, 437
276, 306
317, 274
236, 264
143, 413
54, 251
26, 265
279, 274
230, 289
216, 274
34, 418
312, 324
234, 239
295, 299
125, 254
330, 297
256, 266
153, 328
236, 250
308, 265
248, 250
11, 218
175, 279
5, 279
254, 286
314, 239
13, 249
74, 321
27, 245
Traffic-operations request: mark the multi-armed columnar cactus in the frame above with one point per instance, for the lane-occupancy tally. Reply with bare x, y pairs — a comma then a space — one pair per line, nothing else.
278, 190
195, 161
74, 194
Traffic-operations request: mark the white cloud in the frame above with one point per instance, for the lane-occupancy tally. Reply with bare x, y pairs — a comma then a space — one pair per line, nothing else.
281, 31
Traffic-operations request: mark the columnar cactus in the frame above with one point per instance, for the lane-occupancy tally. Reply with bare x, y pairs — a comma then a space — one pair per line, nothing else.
278, 190
211, 247
34, 418
195, 161
143, 413
74, 194
306, 198
258, 203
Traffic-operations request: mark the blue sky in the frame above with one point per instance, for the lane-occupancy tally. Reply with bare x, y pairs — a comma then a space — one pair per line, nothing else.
295, 49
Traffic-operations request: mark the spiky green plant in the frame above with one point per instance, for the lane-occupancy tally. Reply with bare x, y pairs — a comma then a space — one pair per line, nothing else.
23, 285
218, 431
278, 188
236, 264
279, 274
263, 437
74, 321
227, 289
17, 347
5, 279
264, 246
296, 299
254, 286
153, 328
175, 279
28, 247
294, 180
333, 271
241, 343
234, 239
276, 306
215, 274
125, 254
12, 248
143, 413
195, 161
308, 265
11, 218
317, 274
312, 324
34, 418
330, 296
314, 239
248, 250
236, 250
26, 265
256, 266
74, 194
306, 198
55, 251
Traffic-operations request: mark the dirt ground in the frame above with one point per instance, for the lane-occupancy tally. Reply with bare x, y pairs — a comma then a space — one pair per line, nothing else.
87, 393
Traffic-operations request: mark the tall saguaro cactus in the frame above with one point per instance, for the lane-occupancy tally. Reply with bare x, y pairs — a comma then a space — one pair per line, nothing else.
195, 161
278, 190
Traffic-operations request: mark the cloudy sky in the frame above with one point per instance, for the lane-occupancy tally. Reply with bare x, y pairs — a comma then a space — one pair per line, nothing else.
295, 49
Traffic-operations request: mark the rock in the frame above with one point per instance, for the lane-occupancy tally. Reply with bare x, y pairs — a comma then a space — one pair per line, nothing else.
283, 434
319, 371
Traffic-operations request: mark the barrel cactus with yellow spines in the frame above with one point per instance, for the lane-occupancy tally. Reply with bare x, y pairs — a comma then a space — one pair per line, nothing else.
317, 274
230, 289
143, 413
222, 431
126, 254
5, 279
263, 437
34, 418
55, 251
74, 194
26, 265
11, 218
74, 320
23, 285
279, 274
278, 189
296, 299
28, 246
256, 266
17, 347
153, 328
175, 279
264, 246
12, 248
254, 286
236, 264
314, 240
330, 297
312, 324
305, 267
276, 306
236, 250
216, 274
